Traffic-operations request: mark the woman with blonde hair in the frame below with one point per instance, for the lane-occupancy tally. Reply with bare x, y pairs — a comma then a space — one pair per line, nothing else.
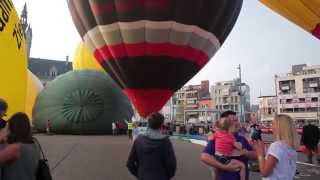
280, 161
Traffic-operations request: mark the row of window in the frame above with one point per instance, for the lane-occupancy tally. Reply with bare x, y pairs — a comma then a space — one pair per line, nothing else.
299, 110
310, 85
224, 100
228, 107
299, 100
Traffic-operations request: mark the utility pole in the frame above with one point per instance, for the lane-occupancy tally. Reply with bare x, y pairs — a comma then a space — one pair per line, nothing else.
276, 91
240, 93
318, 110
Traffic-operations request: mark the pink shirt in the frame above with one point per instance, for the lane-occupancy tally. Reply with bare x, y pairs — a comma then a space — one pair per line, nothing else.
224, 142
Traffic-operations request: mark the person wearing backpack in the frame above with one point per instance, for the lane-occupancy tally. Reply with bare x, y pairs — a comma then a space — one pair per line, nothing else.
20, 155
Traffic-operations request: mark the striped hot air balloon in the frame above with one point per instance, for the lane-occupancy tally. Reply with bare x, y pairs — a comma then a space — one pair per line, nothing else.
151, 48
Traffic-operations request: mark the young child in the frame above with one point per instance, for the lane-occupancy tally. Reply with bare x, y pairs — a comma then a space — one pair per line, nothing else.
226, 145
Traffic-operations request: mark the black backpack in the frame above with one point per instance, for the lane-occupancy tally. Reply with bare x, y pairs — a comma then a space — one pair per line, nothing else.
43, 170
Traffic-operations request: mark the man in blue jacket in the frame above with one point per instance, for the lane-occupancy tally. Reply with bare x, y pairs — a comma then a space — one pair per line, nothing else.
228, 171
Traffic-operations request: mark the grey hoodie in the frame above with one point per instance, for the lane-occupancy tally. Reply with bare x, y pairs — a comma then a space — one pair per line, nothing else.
152, 157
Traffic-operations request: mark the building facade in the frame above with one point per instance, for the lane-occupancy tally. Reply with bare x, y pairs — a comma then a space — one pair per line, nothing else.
226, 95
299, 93
192, 104
167, 111
47, 70
267, 108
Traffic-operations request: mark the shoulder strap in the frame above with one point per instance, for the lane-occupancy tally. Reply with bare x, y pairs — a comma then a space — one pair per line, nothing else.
42, 153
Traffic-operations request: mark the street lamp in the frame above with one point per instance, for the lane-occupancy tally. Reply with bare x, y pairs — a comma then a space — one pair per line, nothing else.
241, 94
318, 110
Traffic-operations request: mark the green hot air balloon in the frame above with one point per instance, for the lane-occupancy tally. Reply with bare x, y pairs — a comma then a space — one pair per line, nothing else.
81, 102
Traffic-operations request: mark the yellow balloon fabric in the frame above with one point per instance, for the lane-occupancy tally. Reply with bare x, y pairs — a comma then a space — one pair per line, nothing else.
305, 13
33, 89
84, 60
13, 59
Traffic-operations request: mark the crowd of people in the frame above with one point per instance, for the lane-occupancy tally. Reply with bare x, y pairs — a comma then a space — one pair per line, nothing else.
152, 155
227, 152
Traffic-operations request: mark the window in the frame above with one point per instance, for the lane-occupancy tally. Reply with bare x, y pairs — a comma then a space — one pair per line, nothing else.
311, 85
287, 87
287, 110
236, 99
302, 100
288, 101
312, 109
314, 99
299, 110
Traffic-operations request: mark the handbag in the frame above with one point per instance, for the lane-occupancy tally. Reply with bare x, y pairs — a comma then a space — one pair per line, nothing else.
43, 170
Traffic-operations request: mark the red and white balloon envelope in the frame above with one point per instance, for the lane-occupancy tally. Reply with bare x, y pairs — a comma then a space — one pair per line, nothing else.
151, 48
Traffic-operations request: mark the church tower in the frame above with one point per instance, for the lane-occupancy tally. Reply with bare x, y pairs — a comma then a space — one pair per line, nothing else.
26, 28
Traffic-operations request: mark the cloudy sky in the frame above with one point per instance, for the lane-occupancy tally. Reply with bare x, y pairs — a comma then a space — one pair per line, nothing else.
263, 43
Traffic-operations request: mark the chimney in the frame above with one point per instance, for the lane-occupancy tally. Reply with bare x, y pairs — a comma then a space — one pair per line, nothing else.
67, 63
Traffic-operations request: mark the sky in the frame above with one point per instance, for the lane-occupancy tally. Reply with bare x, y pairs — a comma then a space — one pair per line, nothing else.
263, 42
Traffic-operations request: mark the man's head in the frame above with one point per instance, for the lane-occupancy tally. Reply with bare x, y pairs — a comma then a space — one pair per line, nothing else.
155, 121
232, 116
3, 108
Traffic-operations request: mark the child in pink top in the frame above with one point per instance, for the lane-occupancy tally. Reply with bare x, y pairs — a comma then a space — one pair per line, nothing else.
226, 145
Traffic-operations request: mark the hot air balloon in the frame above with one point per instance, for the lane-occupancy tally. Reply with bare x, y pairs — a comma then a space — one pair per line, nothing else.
151, 48
81, 102
304, 13
13, 59
34, 87
84, 60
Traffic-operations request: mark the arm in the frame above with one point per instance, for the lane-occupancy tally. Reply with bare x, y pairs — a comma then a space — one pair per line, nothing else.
132, 162
9, 153
248, 150
266, 165
212, 162
252, 155
208, 158
170, 160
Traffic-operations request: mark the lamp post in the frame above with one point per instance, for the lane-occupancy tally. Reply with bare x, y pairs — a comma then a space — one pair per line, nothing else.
240, 94
276, 91
318, 110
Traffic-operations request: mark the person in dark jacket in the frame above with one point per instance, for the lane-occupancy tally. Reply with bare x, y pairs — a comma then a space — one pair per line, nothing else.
152, 156
3, 111
310, 139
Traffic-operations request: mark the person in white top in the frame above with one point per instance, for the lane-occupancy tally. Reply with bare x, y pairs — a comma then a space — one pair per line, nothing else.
114, 129
279, 163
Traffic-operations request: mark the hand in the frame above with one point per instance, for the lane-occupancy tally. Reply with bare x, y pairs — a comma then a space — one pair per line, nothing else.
211, 137
238, 145
4, 134
243, 152
231, 167
260, 148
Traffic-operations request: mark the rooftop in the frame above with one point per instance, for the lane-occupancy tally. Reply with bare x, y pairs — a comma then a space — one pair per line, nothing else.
41, 67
